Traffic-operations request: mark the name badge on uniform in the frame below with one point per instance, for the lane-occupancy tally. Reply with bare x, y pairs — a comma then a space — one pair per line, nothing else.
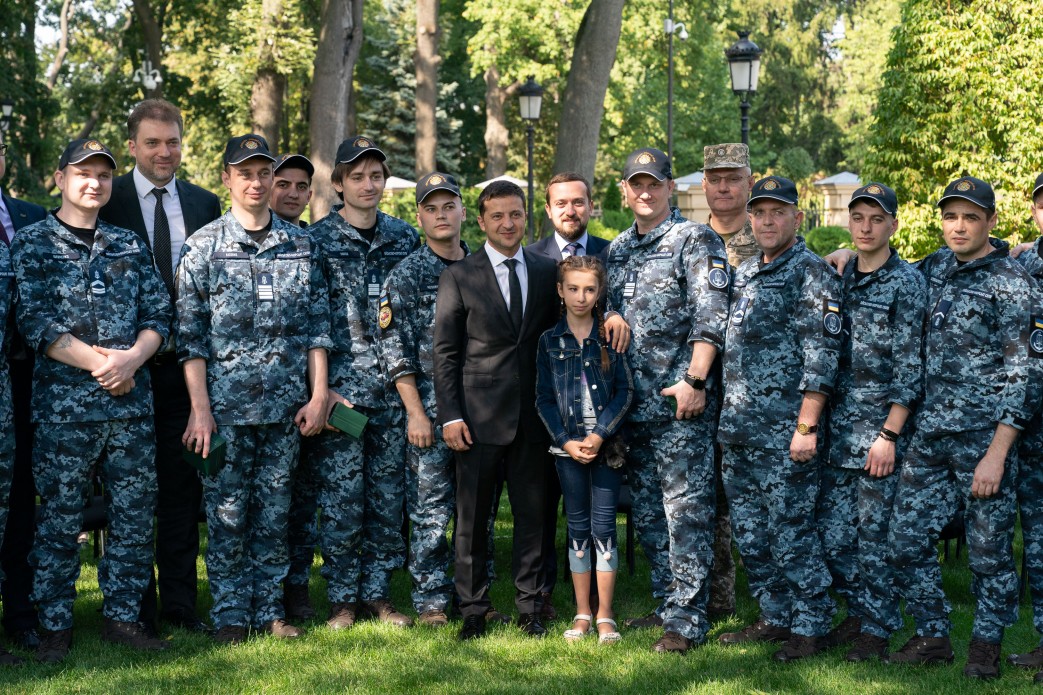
97, 283
373, 286
265, 287
831, 322
718, 273
941, 310
739, 314
630, 284
1036, 338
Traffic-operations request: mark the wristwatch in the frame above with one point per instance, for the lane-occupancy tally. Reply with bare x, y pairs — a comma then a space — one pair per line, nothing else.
695, 382
803, 428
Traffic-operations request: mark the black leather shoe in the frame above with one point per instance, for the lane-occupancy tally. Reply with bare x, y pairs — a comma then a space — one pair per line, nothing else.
28, 640
530, 624
187, 621
474, 627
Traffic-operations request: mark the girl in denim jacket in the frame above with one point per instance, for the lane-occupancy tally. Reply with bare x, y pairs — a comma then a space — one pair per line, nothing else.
583, 391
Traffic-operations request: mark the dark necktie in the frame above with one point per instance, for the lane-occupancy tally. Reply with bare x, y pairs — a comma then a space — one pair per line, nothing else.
571, 248
161, 241
516, 294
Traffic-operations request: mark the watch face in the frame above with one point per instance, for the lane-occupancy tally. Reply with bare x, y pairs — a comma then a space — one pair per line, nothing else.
802, 428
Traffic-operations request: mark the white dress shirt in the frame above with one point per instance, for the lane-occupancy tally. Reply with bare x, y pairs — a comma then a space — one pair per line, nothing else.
503, 274
171, 206
562, 242
6, 223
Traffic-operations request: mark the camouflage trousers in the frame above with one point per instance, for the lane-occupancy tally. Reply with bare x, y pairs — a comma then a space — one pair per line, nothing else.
772, 500
722, 577
384, 490
854, 514
247, 504
935, 481
6, 475
329, 477
671, 475
1030, 498
65, 456
431, 502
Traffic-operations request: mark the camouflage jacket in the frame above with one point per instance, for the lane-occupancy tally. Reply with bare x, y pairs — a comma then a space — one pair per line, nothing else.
355, 271
977, 343
1030, 444
104, 295
252, 312
881, 357
6, 303
406, 343
783, 339
671, 286
741, 245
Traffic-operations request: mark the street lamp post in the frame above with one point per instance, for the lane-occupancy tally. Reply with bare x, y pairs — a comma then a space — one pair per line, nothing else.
744, 62
670, 27
148, 76
6, 112
530, 99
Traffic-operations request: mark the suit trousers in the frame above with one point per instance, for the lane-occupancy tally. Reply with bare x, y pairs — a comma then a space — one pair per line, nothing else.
524, 465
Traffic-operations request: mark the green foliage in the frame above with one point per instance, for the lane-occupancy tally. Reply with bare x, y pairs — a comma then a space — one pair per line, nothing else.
599, 229
619, 220
796, 164
826, 240
959, 78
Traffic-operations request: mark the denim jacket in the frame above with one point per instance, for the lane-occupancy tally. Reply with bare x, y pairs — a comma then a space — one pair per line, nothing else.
558, 399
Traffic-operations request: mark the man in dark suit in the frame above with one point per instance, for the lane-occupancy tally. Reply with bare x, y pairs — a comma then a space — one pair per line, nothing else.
19, 614
568, 207
165, 211
492, 308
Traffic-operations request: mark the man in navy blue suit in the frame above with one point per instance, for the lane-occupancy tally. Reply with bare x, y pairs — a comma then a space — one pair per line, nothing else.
19, 615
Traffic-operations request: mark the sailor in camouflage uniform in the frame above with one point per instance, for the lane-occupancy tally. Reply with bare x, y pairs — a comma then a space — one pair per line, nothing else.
879, 382
93, 306
979, 348
7, 444
668, 278
780, 363
253, 324
1030, 469
360, 485
406, 340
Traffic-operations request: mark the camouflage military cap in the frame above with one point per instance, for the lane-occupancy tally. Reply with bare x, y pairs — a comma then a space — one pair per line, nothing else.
971, 189
730, 155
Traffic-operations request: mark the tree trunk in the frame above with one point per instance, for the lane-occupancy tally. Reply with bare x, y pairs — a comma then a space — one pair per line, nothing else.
495, 123
152, 29
269, 84
584, 102
63, 45
332, 115
427, 61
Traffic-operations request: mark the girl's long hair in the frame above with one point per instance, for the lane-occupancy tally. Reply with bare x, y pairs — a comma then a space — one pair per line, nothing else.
590, 264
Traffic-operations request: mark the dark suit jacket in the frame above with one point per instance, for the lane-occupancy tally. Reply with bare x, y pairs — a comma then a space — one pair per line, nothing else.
199, 207
485, 373
23, 213
549, 248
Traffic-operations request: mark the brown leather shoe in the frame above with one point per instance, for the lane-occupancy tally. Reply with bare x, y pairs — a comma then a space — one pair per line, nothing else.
342, 615
495, 616
983, 660
650, 620
759, 631
230, 634
923, 650
382, 610
9, 659
296, 601
434, 618
281, 629
798, 647
866, 647
672, 642
547, 612
54, 645
131, 634
844, 633
1033, 659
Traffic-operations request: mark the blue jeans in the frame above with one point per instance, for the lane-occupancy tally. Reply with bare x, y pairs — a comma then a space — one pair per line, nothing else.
591, 494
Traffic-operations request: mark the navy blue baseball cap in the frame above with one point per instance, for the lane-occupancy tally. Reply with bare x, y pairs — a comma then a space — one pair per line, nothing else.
294, 161
82, 149
436, 181
882, 195
353, 148
775, 188
1037, 187
971, 189
244, 147
648, 160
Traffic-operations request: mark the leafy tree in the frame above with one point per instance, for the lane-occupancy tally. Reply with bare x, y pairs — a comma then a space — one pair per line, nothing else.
959, 80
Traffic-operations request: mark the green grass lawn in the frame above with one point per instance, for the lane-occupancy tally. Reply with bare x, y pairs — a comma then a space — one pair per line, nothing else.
379, 659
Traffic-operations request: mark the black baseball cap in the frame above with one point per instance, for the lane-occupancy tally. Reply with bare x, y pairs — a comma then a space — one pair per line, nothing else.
244, 147
882, 195
775, 188
84, 148
294, 161
1037, 187
353, 148
436, 181
972, 189
648, 160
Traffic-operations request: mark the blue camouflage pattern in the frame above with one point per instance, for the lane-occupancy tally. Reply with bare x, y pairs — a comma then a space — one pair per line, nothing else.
7, 441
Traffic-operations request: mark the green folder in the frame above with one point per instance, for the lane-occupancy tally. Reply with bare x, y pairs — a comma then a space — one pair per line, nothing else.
348, 420
214, 461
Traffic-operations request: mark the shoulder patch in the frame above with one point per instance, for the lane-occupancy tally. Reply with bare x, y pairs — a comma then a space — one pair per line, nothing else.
831, 321
717, 273
1036, 337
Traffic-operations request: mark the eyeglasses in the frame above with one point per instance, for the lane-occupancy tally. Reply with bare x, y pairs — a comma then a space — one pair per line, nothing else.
3, 150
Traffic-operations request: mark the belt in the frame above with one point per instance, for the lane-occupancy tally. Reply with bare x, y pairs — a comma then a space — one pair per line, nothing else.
163, 358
